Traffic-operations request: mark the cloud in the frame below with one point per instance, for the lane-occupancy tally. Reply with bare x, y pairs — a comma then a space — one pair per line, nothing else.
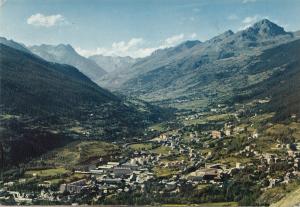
121, 48
248, 1
250, 20
135, 47
232, 17
42, 20
174, 39
193, 35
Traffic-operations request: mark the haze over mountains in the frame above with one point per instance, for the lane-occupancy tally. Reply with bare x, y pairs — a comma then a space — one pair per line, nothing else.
65, 54
213, 121
205, 72
193, 72
227, 68
113, 64
14, 44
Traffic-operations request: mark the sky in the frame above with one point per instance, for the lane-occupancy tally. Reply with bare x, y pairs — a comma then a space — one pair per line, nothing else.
135, 27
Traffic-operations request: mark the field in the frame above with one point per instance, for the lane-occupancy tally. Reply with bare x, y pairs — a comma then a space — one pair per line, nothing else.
292, 199
163, 171
142, 146
162, 150
47, 172
78, 153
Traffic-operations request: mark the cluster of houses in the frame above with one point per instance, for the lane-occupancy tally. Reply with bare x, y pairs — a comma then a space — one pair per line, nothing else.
112, 177
134, 172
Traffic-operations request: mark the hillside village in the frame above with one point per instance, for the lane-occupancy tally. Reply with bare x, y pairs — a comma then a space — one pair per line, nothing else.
119, 112
211, 149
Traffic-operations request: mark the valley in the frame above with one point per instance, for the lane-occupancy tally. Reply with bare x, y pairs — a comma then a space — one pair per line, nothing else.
214, 123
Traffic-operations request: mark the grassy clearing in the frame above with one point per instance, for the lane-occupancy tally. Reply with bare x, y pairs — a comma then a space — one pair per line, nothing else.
202, 186
262, 117
284, 195
194, 121
204, 120
68, 179
80, 152
164, 172
194, 104
174, 158
47, 172
162, 150
142, 146
232, 160
291, 199
220, 117
157, 127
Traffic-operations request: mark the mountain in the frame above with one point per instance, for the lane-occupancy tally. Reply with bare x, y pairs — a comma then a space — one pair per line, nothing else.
45, 104
14, 44
158, 58
65, 54
283, 86
297, 33
263, 29
111, 63
207, 71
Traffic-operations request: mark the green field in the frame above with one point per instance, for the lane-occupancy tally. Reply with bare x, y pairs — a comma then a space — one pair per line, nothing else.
142, 146
163, 171
162, 150
47, 172
78, 153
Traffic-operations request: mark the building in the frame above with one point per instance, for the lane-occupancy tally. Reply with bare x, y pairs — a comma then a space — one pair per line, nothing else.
204, 174
216, 134
75, 187
122, 171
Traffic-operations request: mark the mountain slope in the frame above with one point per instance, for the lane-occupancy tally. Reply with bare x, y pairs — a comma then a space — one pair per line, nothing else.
65, 54
113, 64
283, 86
207, 71
44, 104
157, 59
13, 44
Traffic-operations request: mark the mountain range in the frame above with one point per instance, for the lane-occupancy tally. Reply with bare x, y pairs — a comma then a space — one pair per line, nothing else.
202, 73
65, 54
45, 105
113, 64
50, 94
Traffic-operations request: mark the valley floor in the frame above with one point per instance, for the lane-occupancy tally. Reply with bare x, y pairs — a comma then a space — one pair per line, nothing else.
222, 156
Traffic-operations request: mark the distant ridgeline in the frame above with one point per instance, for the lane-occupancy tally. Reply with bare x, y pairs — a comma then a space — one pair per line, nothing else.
45, 105
203, 73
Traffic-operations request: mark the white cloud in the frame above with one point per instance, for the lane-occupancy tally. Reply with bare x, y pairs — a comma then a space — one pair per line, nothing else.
250, 20
174, 39
135, 47
248, 1
193, 35
122, 48
46, 21
232, 17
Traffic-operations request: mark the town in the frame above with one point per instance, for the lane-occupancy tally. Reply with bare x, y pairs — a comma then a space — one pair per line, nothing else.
210, 150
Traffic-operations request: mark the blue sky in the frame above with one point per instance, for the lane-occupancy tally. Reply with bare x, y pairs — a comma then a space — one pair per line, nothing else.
135, 27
